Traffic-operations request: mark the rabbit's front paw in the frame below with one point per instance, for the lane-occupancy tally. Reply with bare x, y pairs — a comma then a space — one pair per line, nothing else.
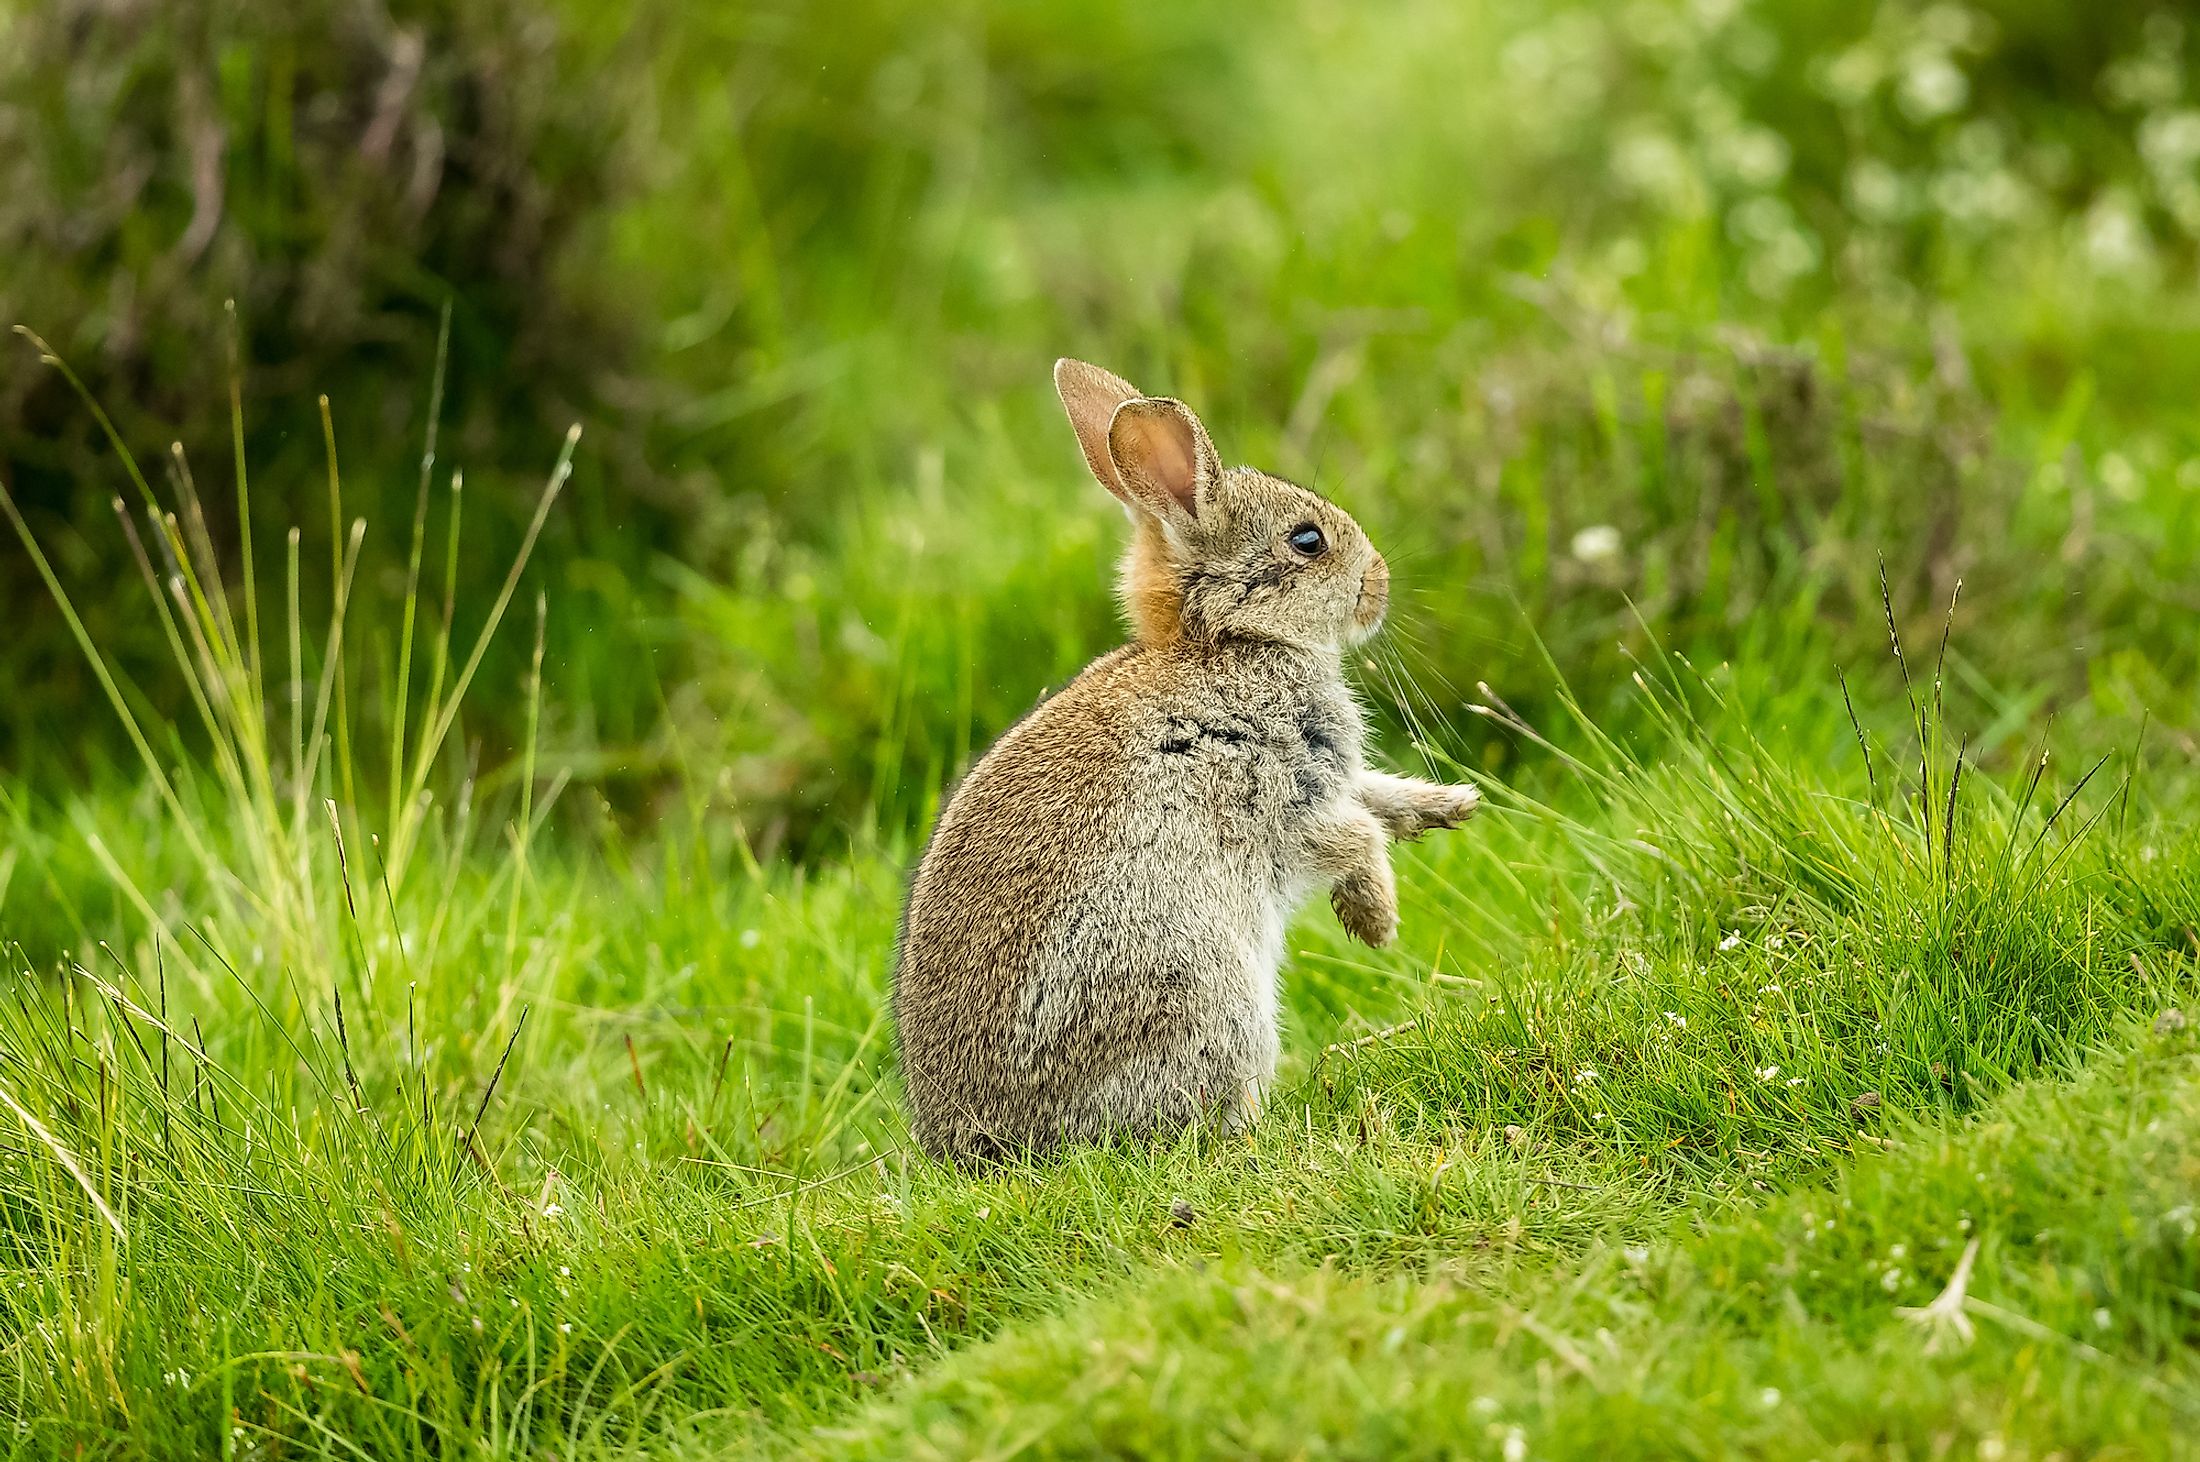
1408, 807
1367, 909
1449, 806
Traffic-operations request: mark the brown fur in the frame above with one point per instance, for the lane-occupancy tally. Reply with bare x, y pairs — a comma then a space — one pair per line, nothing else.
1093, 935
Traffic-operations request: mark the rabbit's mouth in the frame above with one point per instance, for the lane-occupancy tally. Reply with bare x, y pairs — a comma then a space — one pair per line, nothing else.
1374, 599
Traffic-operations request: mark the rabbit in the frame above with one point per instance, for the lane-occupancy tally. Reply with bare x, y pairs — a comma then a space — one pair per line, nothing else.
1093, 934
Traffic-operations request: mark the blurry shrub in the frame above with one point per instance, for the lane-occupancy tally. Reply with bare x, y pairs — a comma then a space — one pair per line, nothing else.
1895, 146
339, 168
1577, 307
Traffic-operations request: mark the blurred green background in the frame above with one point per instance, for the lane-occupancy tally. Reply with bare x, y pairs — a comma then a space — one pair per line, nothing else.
1690, 315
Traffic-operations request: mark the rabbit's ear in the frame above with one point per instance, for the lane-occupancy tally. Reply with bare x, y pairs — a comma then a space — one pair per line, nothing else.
1091, 395
1162, 456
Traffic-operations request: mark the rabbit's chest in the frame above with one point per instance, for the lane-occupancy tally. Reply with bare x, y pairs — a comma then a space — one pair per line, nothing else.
1259, 770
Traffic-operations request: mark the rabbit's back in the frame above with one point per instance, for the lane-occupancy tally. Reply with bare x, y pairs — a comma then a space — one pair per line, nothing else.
1093, 933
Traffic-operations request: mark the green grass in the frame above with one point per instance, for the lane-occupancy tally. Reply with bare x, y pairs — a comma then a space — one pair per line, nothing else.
464, 1139
1804, 1326
445, 1002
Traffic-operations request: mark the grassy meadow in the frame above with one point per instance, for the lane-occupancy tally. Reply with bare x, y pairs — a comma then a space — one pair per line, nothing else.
449, 863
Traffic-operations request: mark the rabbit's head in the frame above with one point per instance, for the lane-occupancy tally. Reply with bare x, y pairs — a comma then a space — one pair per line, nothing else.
1219, 551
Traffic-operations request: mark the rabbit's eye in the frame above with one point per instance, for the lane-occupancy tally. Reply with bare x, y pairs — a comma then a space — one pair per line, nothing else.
1307, 539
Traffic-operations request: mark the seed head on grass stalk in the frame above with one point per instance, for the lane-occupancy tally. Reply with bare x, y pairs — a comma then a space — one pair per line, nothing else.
219, 662
440, 715
249, 829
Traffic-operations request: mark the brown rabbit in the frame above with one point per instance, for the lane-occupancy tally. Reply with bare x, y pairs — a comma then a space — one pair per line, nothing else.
1093, 934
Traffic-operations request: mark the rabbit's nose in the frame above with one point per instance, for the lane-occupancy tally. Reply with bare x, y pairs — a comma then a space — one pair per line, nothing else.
1374, 593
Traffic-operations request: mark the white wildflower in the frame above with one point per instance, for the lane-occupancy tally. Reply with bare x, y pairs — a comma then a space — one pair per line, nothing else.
1931, 86
1597, 545
2115, 239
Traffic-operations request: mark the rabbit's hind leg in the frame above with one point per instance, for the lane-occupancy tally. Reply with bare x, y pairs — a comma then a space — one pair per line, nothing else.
1196, 1084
